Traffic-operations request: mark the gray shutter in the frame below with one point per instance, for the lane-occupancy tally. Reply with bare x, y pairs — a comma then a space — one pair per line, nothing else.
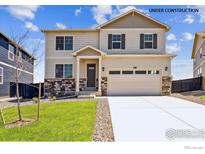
123, 41
155, 41
109, 41
141, 41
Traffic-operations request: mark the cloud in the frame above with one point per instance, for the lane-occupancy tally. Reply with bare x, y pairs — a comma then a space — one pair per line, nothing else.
189, 19
31, 26
201, 13
173, 47
60, 26
171, 37
187, 36
23, 11
101, 12
78, 11
123, 9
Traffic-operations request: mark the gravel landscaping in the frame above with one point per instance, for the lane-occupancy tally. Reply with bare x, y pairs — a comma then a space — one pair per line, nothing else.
103, 127
189, 96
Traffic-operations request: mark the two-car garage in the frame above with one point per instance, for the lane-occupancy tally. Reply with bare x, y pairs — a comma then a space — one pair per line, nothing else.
134, 82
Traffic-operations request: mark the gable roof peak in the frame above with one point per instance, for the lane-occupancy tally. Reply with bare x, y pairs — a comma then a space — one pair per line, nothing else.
137, 12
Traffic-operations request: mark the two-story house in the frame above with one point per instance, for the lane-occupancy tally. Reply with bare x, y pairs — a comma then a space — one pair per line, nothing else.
124, 56
198, 53
8, 58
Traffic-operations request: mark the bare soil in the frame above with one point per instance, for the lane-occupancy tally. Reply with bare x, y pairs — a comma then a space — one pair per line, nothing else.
19, 123
192, 96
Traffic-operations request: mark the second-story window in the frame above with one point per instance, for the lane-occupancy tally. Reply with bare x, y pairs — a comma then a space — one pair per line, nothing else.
116, 41
64, 42
68, 43
200, 52
20, 56
148, 41
11, 53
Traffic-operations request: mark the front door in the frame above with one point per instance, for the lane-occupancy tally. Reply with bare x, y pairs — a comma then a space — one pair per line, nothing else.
91, 75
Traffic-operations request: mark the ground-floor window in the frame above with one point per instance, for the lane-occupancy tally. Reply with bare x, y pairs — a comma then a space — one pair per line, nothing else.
153, 72
114, 72
64, 70
1, 75
137, 72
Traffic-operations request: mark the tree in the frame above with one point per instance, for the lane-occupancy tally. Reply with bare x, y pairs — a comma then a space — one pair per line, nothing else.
19, 42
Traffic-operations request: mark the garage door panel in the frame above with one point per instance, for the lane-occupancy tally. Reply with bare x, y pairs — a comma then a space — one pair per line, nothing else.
134, 84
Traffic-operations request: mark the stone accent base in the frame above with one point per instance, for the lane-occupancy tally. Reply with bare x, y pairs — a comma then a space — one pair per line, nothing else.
59, 87
104, 86
83, 82
166, 85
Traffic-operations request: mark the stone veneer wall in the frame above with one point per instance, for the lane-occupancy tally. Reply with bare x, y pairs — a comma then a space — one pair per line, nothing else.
104, 86
83, 82
59, 87
166, 85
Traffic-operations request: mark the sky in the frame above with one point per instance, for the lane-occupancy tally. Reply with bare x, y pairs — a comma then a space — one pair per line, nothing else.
179, 40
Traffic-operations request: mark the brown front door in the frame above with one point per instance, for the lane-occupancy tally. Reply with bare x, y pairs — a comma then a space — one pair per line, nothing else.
91, 75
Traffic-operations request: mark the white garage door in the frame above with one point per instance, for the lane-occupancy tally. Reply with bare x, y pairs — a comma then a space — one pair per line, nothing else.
144, 82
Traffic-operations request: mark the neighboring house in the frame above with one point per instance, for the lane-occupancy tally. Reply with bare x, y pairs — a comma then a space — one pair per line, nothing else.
198, 55
124, 56
8, 59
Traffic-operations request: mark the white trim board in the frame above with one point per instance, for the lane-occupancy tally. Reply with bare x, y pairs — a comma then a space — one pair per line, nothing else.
2, 63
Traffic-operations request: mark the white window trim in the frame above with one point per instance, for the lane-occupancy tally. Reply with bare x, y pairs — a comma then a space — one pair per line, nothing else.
117, 42
149, 41
1, 68
10, 52
63, 71
64, 43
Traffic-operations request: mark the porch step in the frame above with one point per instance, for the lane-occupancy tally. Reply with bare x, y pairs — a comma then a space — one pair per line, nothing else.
87, 94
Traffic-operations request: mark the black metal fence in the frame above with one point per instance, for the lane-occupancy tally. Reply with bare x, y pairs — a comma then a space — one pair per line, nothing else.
186, 85
26, 90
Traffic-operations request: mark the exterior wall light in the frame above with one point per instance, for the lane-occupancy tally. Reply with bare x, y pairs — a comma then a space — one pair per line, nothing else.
166, 68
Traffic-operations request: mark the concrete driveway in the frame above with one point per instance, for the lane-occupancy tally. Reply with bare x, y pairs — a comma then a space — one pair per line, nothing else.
156, 118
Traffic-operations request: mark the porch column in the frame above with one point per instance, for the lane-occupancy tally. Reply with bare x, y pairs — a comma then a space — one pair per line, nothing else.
99, 74
77, 74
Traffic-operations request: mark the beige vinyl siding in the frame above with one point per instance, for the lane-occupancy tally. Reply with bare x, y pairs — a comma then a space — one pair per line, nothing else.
132, 41
123, 63
130, 21
80, 40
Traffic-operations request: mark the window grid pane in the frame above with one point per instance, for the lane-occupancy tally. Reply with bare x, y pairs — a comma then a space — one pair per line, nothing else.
59, 70
114, 72
141, 72
69, 43
127, 72
153, 72
59, 43
68, 71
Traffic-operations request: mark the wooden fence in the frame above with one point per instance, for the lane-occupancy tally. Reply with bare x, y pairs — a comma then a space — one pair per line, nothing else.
26, 90
187, 85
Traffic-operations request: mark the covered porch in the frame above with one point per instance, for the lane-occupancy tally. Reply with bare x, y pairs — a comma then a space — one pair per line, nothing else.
88, 70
